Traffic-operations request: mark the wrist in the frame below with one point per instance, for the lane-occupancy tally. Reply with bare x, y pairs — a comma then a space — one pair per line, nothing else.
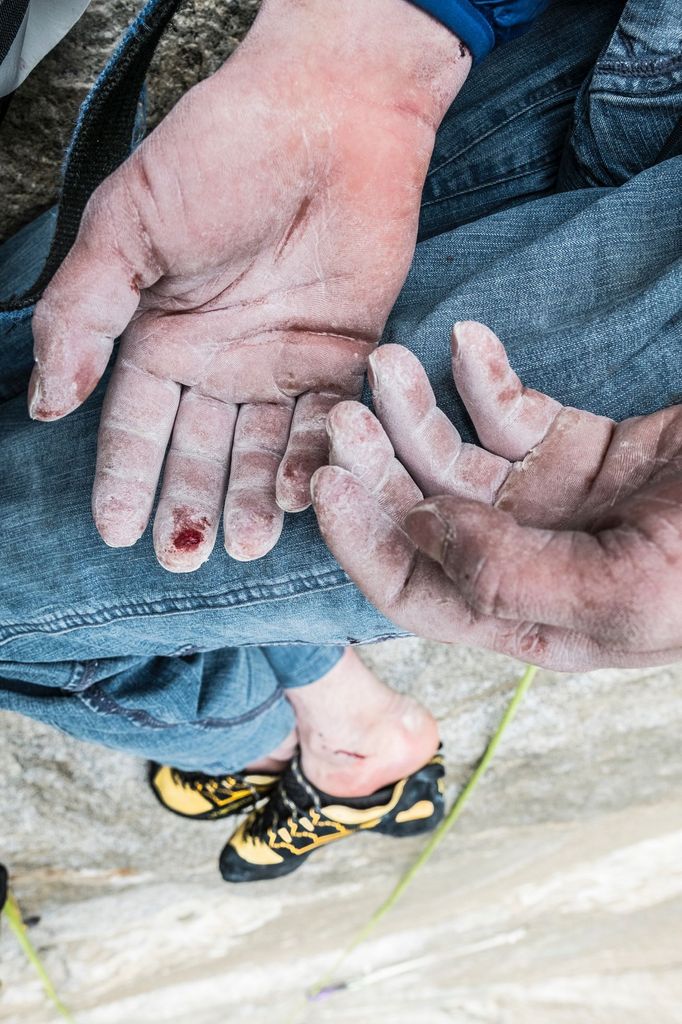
388, 52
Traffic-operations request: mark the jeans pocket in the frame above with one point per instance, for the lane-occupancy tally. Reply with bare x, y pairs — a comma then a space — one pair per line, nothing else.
628, 111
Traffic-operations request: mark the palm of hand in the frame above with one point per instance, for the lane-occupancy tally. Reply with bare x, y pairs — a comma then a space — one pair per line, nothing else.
561, 543
248, 258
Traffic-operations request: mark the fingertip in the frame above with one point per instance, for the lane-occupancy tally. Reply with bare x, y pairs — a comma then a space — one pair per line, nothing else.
183, 538
251, 531
344, 414
292, 486
466, 333
437, 524
42, 408
329, 484
119, 523
54, 398
353, 422
391, 363
477, 349
178, 564
359, 443
292, 504
119, 534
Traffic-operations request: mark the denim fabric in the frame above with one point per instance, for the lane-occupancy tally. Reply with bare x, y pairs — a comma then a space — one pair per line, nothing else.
503, 140
584, 287
214, 711
629, 108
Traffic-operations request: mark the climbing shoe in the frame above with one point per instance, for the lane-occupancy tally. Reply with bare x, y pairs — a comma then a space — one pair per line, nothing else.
208, 797
298, 819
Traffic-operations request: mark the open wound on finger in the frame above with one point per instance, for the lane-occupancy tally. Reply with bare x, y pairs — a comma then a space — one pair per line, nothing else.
188, 529
184, 537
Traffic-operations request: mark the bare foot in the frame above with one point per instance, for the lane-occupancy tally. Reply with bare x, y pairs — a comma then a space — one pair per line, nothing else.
357, 734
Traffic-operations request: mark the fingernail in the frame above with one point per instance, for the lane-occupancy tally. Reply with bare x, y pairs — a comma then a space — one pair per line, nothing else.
329, 423
315, 481
372, 372
426, 527
319, 478
35, 390
456, 339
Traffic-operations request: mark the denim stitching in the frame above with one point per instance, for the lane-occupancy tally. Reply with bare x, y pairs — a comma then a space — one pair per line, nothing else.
644, 68
501, 124
100, 702
178, 605
81, 676
489, 184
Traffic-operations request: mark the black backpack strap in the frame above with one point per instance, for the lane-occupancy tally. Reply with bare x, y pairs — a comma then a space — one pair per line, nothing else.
12, 14
103, 136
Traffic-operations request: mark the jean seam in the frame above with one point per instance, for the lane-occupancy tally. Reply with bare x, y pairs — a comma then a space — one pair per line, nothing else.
598, 92
97, 700
501, 124
644, 68
489, 184
178, 606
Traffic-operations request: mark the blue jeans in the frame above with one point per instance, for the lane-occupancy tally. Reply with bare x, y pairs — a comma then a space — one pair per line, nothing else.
552, 211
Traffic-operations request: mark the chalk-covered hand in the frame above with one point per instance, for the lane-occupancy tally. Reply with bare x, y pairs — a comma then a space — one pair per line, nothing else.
249, 252
559, 543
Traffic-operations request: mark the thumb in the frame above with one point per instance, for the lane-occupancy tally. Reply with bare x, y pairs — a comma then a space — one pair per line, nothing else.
500, 568
92, 297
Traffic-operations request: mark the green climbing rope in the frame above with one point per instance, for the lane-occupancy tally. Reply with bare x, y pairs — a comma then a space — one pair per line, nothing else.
324, 986
13, 915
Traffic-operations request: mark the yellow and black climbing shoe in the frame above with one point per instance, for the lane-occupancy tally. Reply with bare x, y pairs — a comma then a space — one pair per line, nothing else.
207, 797
298, 819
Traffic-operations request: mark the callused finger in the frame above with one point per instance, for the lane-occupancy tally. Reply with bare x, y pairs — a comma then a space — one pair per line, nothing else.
194, 481
364, 538
93, 295
381, 559
136, 423
253, 520
509, 418
414, 592
425, 440
358, 443
307, 450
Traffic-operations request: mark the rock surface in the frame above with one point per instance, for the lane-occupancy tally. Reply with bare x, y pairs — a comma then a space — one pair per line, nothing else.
556, 900
36, 130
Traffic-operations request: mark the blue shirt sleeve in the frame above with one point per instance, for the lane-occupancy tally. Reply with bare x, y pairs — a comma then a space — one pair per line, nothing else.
483, 24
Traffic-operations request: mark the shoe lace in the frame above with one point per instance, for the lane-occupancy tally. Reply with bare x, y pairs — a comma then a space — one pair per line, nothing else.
280, 810
212, 785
